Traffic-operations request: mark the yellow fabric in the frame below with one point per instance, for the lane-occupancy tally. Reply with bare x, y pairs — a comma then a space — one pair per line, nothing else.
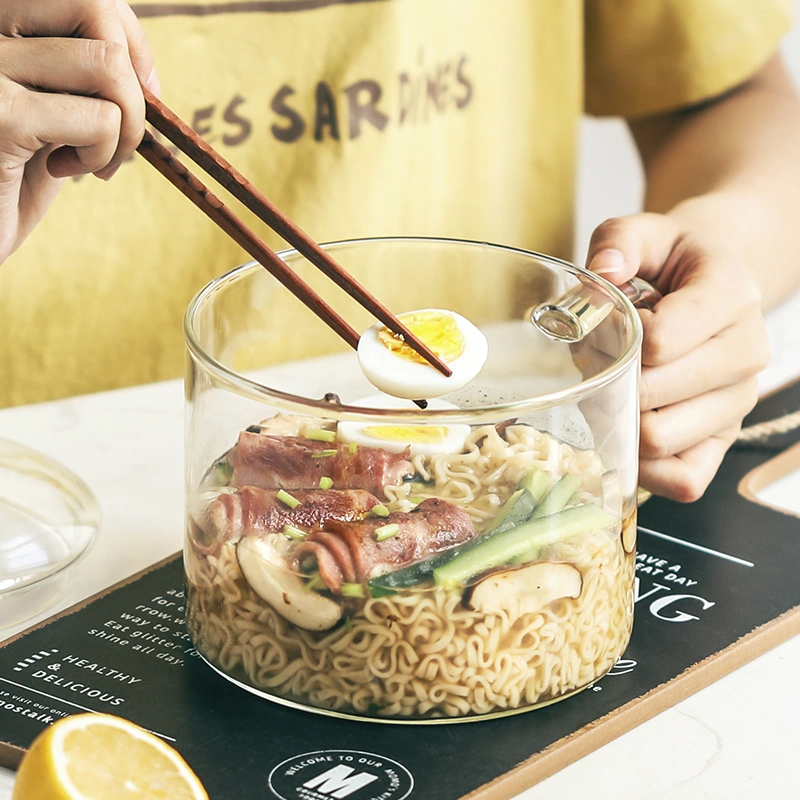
647, 57
378, 117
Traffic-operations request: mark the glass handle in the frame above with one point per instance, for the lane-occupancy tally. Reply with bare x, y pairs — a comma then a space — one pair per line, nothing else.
580, 310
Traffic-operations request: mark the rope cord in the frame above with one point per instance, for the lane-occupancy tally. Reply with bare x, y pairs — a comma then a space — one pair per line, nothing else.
772, 427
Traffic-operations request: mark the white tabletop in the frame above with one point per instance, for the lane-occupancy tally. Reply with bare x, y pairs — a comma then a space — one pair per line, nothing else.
738, 739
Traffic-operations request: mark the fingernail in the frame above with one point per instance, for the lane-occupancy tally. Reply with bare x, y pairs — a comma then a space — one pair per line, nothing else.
153, 83
108, 174
608, 261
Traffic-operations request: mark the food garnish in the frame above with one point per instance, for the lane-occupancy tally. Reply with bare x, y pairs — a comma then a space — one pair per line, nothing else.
293, 532
287, 499
387, 531
321, 435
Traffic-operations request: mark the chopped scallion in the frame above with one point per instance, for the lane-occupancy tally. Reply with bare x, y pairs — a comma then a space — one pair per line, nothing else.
286, 498
315, 583
387, 531
224, 471
380, 510
323, 454
352, 447
293, 532
353, 590
321, 435
325, 482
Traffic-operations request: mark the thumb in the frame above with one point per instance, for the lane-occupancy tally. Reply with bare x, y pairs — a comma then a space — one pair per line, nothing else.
639, 244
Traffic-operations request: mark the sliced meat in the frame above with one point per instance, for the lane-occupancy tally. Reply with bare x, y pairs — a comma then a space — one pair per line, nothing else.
327, 565
339, 551
434, 525
252, 509
292, 462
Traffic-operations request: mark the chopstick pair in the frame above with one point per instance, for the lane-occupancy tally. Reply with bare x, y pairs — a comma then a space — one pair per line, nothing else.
194, 146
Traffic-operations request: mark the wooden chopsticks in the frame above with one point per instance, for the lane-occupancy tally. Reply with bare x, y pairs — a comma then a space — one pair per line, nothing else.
190, 143
177, 174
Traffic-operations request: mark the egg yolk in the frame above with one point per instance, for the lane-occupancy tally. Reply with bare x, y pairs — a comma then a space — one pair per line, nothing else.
438, 330
419, 434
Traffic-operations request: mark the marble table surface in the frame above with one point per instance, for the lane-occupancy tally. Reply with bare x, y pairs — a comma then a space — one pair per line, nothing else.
737, 739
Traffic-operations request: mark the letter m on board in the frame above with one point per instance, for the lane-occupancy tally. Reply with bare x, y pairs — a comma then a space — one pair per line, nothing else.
339, 781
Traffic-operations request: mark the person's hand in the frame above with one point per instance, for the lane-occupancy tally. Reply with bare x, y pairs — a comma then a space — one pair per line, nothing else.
70, 100
704, 344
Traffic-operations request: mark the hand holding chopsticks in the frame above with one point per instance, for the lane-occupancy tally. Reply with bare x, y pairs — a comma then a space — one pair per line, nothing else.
190, 143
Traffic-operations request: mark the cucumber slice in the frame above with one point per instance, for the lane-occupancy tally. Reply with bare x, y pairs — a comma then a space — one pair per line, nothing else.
409, 576
537, 483
519, 507
501, 548
559, 496
516, 510
557, 499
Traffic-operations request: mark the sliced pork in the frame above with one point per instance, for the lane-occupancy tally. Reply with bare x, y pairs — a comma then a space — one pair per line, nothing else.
292, 462
348, 552
252, 509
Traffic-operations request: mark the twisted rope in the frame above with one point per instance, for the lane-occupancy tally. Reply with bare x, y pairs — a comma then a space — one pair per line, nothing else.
772, 427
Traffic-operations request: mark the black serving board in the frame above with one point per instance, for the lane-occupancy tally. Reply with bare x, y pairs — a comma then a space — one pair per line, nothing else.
716, 586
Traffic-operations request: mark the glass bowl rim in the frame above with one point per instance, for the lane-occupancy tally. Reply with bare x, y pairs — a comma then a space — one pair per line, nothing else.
247, 387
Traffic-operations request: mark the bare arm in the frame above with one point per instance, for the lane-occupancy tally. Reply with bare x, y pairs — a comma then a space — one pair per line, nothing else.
720, 237
732, 169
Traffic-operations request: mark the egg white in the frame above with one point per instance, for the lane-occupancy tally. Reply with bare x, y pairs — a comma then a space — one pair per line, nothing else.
400, 377
455, 435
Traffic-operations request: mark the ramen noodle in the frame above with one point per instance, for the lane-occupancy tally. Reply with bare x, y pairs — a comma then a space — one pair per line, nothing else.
518, 634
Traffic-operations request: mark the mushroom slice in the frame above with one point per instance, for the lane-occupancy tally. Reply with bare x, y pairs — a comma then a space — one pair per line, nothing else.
523, 590
270, 578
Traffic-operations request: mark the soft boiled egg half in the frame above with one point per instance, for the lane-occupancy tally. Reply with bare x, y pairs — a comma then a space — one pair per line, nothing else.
393, 367
423, 439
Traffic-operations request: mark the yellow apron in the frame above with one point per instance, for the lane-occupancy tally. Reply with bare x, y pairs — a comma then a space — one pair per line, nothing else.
357, 118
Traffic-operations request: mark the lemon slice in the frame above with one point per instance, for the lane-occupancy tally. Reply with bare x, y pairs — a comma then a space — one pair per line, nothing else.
103, 757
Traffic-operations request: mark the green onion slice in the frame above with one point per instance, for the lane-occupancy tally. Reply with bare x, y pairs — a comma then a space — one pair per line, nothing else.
387, 531
293, 532
380, 510
315, 583
224, 471
325, 482
321, 435
324, 454
286, 498
353, 590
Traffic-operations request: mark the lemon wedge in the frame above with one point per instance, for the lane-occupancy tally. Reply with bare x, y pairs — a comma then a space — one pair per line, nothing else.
103, 757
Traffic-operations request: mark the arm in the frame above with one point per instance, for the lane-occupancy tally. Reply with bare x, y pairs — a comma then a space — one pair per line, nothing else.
70, 100
721, 239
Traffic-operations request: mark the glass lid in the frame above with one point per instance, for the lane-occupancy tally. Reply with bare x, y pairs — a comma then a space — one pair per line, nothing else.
49, 519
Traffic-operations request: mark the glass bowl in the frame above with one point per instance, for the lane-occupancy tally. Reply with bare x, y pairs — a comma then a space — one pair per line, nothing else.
460, 562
